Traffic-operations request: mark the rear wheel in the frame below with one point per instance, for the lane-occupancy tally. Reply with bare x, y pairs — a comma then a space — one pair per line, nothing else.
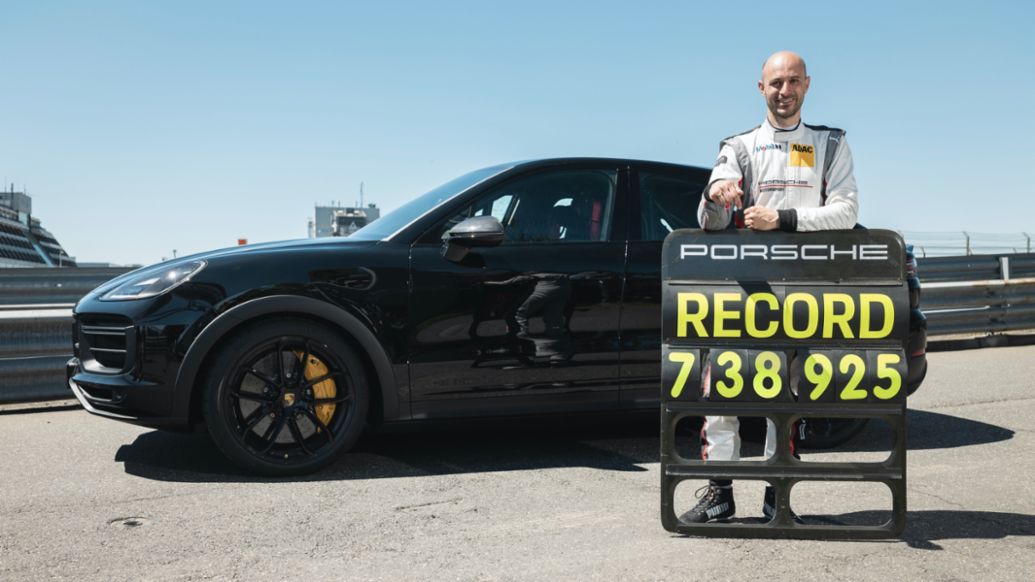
285, 397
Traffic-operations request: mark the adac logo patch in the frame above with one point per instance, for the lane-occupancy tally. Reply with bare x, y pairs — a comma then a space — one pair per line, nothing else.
802, 155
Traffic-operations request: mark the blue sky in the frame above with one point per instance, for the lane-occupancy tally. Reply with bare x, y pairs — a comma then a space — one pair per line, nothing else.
142, 127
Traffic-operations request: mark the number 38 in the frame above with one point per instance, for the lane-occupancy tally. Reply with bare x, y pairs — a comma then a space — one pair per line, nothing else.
767, 376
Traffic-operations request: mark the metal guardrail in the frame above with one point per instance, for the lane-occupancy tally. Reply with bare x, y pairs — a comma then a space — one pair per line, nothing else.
977, 267
34, 346
978, 293
975, 294
36, 329
50, 286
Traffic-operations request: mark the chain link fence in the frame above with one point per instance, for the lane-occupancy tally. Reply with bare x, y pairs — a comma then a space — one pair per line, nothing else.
966, 243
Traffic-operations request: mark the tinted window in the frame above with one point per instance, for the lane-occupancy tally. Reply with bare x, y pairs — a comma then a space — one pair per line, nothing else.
668, 202
568, 205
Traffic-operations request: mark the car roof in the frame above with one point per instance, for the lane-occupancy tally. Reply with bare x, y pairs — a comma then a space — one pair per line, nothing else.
557, 162
506, 170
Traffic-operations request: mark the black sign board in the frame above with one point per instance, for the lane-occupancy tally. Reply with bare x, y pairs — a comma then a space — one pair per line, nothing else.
828, 311
747, 255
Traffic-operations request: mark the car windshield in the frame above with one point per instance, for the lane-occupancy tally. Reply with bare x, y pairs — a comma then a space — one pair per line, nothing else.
395, 220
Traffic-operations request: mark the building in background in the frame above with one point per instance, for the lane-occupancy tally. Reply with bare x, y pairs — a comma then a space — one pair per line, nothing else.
23, 240
336, 220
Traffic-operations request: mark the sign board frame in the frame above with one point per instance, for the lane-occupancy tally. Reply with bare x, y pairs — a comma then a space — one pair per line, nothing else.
758, 308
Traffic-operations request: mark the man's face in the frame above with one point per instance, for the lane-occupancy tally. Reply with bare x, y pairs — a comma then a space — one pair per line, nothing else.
784, 85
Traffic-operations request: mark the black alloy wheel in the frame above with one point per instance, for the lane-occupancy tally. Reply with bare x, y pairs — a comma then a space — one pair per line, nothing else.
285, 397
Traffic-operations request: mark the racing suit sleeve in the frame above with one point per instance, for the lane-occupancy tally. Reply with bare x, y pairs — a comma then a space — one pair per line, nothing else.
841, 210
712, 216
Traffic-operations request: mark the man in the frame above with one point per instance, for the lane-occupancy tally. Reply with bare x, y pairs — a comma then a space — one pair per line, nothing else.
785, 175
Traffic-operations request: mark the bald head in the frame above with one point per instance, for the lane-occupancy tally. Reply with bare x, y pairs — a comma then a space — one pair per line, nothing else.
782, 60
783, 85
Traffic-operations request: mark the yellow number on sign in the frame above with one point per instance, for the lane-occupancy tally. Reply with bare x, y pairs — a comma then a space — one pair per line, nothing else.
730, 389
851, 390
885, 370
820, 378
686, 359
767, 366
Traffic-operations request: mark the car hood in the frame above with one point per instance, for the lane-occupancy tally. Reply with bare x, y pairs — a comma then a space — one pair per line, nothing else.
217, 256
342, 244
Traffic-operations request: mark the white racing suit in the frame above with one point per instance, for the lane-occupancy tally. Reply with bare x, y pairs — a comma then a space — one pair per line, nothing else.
806, 174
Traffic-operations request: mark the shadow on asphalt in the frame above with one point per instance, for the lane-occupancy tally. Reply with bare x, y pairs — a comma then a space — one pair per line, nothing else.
37, 407
932, 430
926, 526
609, 443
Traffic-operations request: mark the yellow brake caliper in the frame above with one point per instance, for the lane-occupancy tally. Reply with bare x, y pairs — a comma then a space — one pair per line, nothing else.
315, 368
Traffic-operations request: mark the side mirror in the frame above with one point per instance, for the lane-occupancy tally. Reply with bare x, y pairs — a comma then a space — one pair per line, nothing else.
480, 231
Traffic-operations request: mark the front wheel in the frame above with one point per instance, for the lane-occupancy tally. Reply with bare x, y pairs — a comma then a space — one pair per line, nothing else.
285, 397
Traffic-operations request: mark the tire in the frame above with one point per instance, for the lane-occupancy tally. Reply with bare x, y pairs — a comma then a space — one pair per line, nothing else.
287, 419
917, 373
827, 433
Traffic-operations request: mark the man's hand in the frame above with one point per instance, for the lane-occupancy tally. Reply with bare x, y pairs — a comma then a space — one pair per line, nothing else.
761, 218
725, 192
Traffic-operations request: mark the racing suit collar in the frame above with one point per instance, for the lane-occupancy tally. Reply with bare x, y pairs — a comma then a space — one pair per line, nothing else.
779, 134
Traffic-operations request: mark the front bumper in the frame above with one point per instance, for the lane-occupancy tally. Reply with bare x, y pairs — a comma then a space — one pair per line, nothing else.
121, 397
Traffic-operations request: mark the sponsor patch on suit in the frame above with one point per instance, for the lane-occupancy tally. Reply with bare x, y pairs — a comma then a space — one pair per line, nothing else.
802, 155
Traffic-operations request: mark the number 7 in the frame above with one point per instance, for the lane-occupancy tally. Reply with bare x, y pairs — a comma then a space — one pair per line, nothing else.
687, 361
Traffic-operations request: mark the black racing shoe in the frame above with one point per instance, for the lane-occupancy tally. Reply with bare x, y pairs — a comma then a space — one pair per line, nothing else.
769, 507
716, 503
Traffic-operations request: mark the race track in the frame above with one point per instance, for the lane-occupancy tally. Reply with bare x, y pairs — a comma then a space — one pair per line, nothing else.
90, 499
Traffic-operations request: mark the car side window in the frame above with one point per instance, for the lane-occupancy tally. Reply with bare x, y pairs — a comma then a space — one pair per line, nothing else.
562, 205
500, 206
667, 202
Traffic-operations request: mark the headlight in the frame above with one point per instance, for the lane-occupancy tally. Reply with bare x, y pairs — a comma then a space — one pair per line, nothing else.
153, 282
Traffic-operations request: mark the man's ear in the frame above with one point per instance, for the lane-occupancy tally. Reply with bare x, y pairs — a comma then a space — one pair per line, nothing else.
808, 81
761, 88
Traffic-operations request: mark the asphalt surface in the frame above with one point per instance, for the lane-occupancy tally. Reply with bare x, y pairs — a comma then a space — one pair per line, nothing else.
90, 499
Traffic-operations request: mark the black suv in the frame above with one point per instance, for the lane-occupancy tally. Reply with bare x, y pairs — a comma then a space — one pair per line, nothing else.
524, 288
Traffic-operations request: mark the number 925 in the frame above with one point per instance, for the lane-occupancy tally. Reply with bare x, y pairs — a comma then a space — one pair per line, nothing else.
851, 376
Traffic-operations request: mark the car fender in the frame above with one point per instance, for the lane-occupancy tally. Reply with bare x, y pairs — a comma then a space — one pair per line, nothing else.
284, 304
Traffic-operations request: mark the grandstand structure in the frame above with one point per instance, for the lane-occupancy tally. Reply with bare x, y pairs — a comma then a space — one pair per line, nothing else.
23, 240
